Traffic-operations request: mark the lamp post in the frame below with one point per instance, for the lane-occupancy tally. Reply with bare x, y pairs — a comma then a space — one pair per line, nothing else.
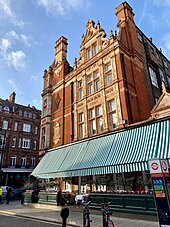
2, 150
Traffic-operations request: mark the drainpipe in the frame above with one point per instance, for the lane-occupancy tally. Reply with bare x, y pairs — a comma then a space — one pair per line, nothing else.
63, 111
126, 86
72, 109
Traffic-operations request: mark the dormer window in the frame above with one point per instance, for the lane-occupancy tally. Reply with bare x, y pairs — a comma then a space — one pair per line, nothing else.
6, 109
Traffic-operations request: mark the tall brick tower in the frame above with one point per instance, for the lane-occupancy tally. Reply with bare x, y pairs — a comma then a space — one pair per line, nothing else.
133, 92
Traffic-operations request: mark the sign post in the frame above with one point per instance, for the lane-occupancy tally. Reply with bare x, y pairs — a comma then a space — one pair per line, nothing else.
161, 187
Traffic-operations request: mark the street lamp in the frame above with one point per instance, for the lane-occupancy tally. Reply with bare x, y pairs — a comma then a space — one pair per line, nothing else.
2, 145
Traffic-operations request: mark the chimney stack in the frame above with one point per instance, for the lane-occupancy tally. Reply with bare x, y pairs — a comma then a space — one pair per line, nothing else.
12, 97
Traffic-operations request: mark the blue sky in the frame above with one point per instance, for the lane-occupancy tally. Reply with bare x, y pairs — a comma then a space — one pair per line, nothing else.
29, 29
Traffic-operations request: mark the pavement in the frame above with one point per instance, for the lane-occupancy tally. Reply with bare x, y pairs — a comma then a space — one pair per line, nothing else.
51, 213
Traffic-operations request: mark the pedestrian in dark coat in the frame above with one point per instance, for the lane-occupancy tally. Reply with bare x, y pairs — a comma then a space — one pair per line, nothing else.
59, 198
8, 194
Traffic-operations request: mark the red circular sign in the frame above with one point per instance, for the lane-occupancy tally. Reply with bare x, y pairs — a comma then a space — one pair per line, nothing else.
154, 166
164, 166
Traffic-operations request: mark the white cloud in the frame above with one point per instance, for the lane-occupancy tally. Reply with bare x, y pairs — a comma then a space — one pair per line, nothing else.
10, 57
13, 36
62, 7
6, 13
5, 44
17, 59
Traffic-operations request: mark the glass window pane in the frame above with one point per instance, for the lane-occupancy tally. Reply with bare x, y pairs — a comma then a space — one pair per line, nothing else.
92, 127
100, 125
98, 110
112, 105
153, 77
91, 113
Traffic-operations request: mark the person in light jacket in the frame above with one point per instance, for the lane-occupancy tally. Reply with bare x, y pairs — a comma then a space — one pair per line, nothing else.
1, 195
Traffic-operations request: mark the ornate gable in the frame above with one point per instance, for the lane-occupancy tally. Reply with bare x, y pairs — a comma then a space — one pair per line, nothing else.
92, 30
162, 107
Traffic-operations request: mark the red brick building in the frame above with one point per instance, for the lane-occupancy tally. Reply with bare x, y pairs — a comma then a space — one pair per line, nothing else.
115, 82
19, 141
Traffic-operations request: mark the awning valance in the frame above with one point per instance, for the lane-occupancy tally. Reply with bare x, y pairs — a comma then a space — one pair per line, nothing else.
123, 151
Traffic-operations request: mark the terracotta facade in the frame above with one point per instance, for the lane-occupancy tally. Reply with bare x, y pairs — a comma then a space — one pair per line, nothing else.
114, 83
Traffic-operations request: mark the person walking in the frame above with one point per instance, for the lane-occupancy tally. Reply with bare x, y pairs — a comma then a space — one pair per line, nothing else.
59, 197
8, 194
1, 195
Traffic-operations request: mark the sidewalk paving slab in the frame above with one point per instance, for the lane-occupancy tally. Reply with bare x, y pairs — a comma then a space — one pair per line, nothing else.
51, 213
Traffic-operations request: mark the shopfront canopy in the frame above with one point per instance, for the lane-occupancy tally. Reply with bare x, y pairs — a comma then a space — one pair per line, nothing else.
127, 150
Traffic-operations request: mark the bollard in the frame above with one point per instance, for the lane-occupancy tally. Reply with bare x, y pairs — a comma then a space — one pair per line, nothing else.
64, 215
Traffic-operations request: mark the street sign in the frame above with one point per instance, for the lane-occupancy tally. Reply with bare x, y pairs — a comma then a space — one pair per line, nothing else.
160, 176
158, 167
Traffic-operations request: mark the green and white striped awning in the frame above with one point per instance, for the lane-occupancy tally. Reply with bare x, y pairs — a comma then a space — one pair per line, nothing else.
123, 151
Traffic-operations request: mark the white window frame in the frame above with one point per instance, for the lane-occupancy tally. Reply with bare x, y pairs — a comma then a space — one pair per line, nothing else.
26, 143
80, 89
95, 120
35, 144
25, 113
23, 161
16, 126
36, 130
6, 109
20, 113
81, 125
5, 124
30, 114
112, 111
19, 144
108, 74
13, 160
14, 140
26, 127
93, 82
